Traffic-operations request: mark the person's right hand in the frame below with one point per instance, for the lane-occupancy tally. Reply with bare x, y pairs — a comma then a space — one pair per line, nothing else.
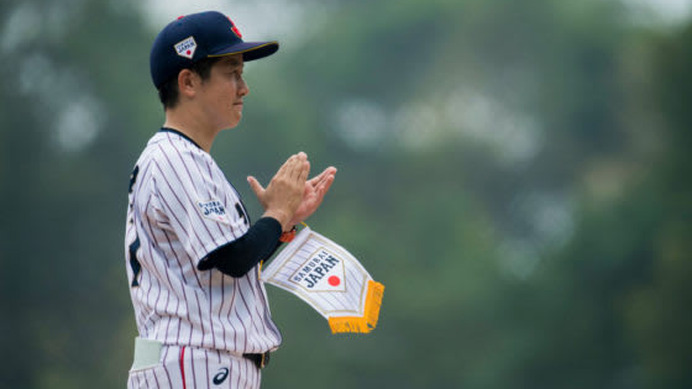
284, 193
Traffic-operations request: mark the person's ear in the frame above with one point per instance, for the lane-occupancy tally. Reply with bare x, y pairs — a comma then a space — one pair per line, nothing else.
188, 82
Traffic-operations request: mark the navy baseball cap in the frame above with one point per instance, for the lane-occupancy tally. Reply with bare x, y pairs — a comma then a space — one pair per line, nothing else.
201, 35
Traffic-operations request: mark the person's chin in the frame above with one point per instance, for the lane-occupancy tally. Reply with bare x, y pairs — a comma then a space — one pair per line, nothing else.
233, 123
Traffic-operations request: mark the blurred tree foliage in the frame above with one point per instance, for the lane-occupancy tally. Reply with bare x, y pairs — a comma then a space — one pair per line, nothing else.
516, 176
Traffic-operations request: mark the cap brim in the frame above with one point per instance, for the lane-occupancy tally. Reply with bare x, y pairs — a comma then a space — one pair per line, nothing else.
250, 50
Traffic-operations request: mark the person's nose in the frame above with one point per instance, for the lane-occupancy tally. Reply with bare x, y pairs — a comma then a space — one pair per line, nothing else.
243, 89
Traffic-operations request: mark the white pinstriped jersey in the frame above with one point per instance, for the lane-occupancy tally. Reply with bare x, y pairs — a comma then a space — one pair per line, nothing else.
181, 207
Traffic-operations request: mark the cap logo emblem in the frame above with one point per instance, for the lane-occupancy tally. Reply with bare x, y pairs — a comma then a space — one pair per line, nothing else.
235, 29
186, 48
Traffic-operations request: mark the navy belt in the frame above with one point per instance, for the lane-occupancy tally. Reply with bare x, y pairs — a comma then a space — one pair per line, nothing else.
260, 360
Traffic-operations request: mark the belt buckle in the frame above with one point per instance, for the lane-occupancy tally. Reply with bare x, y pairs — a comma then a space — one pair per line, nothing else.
264, 361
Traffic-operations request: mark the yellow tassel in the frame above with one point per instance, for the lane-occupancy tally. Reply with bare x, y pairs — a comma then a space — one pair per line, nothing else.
366, 323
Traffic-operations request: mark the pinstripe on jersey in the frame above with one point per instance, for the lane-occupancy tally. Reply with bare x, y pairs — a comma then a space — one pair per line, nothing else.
181, 207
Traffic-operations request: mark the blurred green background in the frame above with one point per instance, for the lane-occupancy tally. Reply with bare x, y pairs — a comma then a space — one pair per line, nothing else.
516, 173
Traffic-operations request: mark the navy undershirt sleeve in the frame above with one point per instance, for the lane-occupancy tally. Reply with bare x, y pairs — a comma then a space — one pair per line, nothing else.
238, 257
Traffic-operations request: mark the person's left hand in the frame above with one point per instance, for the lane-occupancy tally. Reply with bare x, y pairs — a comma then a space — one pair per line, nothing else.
315, 189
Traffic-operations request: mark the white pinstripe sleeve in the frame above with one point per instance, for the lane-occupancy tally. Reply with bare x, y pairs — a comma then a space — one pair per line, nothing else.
192, 196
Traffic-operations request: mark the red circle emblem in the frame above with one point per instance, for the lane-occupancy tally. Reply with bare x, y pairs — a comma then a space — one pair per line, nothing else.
334, 281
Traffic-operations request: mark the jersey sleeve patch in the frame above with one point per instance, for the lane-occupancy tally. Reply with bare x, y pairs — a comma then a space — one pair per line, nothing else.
214, 210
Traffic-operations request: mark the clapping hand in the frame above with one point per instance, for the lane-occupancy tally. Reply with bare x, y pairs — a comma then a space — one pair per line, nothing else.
313, 191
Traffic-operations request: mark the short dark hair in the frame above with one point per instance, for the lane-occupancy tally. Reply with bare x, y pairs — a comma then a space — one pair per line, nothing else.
169, 93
